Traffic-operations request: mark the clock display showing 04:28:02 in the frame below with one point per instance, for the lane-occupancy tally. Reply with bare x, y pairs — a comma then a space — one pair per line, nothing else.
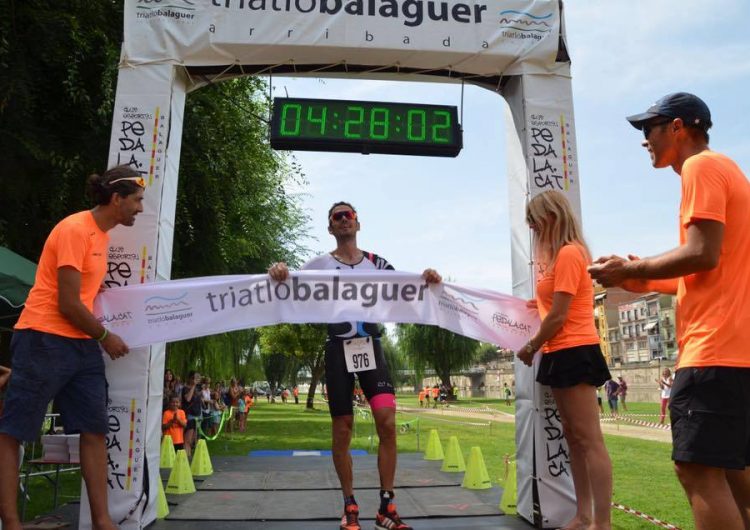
365, 127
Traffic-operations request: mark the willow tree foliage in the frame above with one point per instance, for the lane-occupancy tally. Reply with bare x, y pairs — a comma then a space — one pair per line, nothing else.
303, 342
58, 75
442, 350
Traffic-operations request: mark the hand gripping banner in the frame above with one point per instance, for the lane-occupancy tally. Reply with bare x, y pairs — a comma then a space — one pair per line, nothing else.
181, 309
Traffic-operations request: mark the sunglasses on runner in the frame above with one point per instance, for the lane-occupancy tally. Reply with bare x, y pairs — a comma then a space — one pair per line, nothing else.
348, 214
648, 127
140, 181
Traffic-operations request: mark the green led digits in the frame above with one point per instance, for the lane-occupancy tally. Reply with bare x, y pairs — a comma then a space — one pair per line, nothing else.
290, 125
416, 125
381, 123
441, 131
321, 120
365, 127
355, 123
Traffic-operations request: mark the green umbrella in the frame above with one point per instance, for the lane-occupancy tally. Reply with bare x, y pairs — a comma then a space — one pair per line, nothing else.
16, 278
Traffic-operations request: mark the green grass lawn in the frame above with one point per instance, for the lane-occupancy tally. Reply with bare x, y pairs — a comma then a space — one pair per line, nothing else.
644, 478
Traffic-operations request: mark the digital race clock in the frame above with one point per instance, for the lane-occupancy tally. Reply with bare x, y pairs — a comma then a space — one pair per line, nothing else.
365, 127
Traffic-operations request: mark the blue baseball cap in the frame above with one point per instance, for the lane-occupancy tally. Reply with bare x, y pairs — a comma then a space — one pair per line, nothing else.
688, 107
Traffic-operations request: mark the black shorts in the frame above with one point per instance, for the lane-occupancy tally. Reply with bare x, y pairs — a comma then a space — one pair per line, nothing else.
340, 382
573, 366
710, 411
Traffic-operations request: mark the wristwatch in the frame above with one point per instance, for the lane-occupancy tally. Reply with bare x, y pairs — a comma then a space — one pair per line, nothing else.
529, 347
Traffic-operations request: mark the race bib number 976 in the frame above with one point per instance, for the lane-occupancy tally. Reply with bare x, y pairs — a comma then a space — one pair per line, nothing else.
359, 354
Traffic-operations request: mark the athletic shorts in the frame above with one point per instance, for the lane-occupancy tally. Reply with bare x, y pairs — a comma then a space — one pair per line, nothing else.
572, 366
45, 367
340, 382
710, 411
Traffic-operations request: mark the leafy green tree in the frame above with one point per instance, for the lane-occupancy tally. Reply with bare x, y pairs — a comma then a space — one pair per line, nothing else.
442, 350
58, 74
305, 342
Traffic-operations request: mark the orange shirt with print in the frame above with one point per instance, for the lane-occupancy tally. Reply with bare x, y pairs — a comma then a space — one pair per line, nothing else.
713, 312
78, 242
175, 430
569, 275
248, 402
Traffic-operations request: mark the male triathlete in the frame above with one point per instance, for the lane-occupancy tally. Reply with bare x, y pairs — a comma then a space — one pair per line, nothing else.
709, 273
343, 224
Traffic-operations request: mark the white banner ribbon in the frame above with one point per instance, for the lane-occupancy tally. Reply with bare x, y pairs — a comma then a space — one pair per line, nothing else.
181, 309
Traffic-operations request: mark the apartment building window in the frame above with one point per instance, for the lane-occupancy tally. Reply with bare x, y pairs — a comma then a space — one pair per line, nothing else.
642, 344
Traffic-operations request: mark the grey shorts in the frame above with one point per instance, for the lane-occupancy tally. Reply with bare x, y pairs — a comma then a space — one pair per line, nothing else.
45, 367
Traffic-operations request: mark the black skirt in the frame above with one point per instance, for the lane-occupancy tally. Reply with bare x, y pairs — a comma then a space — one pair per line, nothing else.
573, 366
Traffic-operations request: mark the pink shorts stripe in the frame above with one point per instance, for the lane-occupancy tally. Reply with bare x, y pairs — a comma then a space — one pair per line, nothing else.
383, 401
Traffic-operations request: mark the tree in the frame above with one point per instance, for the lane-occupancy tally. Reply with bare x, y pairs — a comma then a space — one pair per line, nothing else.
305, 342
58, 74
442, 350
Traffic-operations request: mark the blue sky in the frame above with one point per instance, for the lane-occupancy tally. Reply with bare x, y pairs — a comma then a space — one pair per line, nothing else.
452, 214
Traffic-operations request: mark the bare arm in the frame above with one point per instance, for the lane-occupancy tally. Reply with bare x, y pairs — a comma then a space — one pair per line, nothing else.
700, 253
551, 324
71, 307
4, 376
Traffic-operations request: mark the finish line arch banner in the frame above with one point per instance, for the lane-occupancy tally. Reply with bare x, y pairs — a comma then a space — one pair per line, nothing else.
182, 309
171, 47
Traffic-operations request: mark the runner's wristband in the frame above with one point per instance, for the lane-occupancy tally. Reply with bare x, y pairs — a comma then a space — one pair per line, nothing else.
104, 335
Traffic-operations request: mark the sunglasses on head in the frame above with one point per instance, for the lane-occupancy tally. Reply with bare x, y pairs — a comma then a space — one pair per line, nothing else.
348, 214
649, 126
140, 181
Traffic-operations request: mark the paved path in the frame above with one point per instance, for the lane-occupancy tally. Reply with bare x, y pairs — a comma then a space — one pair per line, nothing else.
487, 414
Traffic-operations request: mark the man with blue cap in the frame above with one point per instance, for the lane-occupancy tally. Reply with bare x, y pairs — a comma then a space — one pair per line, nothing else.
710, 274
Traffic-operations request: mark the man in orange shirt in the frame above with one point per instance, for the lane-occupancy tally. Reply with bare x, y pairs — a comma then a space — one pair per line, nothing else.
57, 340
710, 273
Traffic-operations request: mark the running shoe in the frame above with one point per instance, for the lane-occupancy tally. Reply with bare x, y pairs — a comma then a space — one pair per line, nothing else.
391, 520
350, 519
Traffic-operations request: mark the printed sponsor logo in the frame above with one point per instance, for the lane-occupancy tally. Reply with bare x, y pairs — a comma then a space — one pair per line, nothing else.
521, 25
177, 10
461, 305
510, 325
122, 318
163, 310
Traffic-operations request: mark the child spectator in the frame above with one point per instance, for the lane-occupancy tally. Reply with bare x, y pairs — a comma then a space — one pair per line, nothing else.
173, 423
665, 385
241, 411
507, 392
421, 398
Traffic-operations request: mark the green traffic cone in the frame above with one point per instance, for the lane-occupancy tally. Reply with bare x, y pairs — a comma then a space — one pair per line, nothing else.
181, 479
201, 465
167, 452
454, 459
434, 450
476, 477
510, 488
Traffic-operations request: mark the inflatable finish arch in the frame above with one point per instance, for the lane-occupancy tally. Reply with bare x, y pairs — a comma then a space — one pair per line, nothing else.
513, 47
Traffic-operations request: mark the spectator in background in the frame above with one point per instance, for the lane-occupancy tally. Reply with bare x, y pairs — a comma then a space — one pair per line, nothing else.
665, 385
421, 398
612, 389
622, 393
599, 391
295, 392
284, 396
173, 423
507, 392
192, 403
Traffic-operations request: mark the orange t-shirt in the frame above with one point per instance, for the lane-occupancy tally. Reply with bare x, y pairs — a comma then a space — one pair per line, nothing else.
713, 314
569, 275
78, 242
175, 431
248, 402
421, 395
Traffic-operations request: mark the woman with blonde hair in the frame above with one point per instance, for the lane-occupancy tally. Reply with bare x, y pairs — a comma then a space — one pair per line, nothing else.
572, 362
